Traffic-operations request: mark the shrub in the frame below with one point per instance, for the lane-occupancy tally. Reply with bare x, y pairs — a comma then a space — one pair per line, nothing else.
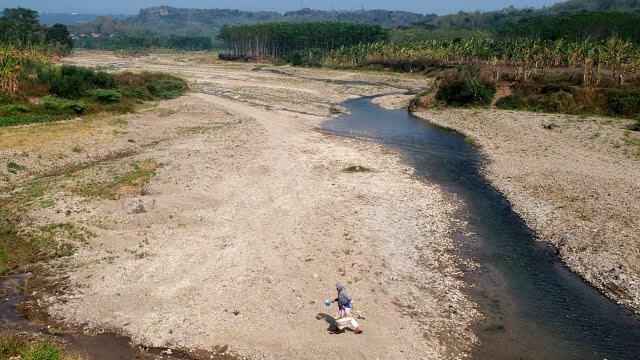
166, 88
310, 57
55, 104
72, 82
16, 108
14, 167
466, 88
105, 96
624, 103
31, 119
635, 126
133, 91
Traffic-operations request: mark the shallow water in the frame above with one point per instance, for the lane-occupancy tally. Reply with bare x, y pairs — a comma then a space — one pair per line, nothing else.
106, 346
535, 308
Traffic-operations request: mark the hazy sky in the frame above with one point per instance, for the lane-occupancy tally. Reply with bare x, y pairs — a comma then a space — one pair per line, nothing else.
440, 7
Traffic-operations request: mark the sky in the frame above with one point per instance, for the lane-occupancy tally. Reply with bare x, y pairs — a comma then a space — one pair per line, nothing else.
132, 7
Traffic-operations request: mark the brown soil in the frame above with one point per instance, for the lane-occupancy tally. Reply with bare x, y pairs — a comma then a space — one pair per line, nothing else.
249, 221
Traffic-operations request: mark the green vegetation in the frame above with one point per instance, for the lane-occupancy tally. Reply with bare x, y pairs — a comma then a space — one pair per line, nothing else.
34, 90
68, 91
27, 347
356, 169
466, 87
297, 43
13, 167
118, 181
20, 27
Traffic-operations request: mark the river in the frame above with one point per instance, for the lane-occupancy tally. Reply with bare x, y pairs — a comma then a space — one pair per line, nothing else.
534, 307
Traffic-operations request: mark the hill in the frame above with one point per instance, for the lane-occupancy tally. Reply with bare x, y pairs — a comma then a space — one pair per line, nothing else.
496, 19
176, 21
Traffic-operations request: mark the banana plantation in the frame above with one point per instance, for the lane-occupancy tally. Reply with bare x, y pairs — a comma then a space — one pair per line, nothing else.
529, 57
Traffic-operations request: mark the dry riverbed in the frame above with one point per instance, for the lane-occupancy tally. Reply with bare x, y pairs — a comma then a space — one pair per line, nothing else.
248, 222
250, 219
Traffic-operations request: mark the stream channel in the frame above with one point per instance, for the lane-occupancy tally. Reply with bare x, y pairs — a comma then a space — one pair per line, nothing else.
535, 308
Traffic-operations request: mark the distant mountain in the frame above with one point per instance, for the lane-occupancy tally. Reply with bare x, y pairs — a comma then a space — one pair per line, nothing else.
596, 5
72, 18
510, 15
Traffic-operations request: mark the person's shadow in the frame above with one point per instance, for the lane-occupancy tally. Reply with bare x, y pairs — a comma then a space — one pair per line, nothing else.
331, 322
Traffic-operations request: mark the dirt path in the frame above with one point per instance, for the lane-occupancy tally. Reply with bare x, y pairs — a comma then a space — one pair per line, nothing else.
250, 221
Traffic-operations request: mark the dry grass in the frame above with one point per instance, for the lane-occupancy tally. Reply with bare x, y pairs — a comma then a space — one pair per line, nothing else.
41, 136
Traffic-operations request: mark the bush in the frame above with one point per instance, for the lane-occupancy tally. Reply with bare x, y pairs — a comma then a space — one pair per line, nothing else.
14, 109
310, 57
72, 82
105, 96
31, 119
466, 88
133, 92
55, 104
635, 126
624, 103
166, 88
466, 92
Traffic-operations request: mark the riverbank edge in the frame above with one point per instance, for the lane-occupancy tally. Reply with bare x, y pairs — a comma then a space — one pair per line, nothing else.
534, 211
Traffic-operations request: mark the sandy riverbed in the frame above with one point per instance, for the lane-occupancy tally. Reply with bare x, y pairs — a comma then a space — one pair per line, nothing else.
250, 221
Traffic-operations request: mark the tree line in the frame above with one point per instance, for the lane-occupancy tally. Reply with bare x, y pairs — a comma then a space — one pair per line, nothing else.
281, 40
20, 28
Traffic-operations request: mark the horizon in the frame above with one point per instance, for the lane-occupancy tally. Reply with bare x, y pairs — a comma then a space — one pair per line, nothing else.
127, 7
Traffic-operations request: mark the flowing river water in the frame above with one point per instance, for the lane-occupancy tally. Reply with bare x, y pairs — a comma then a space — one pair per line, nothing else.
535, 308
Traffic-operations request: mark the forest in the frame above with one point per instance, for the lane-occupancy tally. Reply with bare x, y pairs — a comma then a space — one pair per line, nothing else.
290, 42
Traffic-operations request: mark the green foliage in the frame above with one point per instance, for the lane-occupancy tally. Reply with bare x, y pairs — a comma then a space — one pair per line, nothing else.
310, 57
598, 25
356, 169
15, 109
104, 96
283, 40
466, 88
22, 347
59, 34
102, 92
166, 88
13, 167
72, 82
20, 27
133, 92
31, 119
635, 126
66, 106
543, 96
624, 102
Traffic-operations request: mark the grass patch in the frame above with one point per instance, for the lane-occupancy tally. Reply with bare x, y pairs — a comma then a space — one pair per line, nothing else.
470, 140
31, 119
57, 240
584, 216
119, 181
356, 169
14, 167
29, 347
119, 122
